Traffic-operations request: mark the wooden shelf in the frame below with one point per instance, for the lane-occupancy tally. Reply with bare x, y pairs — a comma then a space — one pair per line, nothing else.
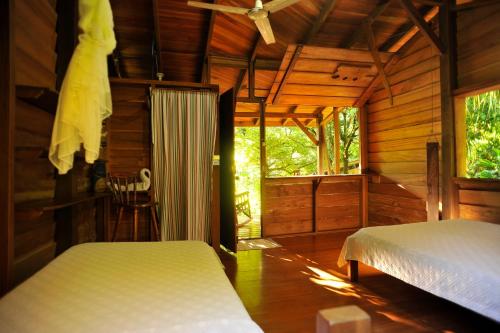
43, 98
51, 205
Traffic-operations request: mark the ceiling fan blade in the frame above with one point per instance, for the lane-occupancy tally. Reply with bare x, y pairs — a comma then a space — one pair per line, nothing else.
222, 8
265, 30
275, 5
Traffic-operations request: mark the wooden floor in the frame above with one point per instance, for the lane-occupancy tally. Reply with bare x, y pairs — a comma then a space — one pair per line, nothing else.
283, 289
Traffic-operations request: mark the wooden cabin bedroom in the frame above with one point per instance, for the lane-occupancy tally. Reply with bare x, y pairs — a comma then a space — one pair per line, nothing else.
250, 166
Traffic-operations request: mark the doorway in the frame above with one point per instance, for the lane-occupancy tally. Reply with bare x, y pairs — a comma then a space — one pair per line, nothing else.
248, 182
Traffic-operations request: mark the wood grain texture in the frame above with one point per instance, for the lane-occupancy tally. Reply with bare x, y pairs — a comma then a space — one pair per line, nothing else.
398, 134
305, 204
7, 125
478, 66
478, 199
284, 288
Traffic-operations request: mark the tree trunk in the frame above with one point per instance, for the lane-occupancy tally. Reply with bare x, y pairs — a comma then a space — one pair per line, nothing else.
346, 163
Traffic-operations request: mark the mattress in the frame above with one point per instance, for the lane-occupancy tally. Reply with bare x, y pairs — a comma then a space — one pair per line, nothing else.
454, 259
128, 287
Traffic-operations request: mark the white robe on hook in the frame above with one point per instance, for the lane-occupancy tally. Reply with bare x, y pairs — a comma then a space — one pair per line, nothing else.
85, 97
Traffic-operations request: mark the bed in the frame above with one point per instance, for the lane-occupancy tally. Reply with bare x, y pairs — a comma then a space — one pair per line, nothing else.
457, 260
128, 287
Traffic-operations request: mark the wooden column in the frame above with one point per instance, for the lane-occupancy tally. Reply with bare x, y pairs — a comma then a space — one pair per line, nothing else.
432, 181
7, 126
336, 125
363, 138
263, 160
447, 34
323, 164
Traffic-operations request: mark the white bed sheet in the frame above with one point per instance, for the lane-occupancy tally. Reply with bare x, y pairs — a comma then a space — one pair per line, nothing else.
457, 260
128, 287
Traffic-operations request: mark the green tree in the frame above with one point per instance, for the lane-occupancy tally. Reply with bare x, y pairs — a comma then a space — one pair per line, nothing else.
289, 152
349, 138
483, 135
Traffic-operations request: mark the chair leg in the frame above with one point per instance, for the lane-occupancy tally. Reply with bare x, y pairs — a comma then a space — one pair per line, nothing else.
118, 219
136, 223
154, 221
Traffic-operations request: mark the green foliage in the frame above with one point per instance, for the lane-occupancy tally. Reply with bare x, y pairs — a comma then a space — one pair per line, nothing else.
349, 139
247, 163
289, 152
483, 135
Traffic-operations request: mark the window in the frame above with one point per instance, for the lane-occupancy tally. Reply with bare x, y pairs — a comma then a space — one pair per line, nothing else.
482, 137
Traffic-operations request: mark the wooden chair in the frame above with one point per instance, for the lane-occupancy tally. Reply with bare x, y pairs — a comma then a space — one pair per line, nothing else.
242, 205
126, 196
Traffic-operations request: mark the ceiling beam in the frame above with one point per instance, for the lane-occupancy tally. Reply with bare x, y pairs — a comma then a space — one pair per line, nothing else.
318, 23
473, 4
294, 109
408, 32
327, 118
422, 25
306, 132
291, 65
320, 20
239, 82
375, 82
379, 9
242, 62
205, 70
287, 115
156, 20
376, 58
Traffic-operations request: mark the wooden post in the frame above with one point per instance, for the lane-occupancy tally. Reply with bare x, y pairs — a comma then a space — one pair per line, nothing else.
263, 161
352, 270
336, 125
448, 83
460, 136
7, 126
364, 201
322, 152
363, 138
251, 79
432, 181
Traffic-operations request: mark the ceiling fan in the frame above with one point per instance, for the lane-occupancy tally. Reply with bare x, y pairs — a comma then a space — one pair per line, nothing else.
259, 14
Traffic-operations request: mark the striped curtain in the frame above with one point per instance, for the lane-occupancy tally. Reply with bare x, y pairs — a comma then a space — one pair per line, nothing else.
183, 133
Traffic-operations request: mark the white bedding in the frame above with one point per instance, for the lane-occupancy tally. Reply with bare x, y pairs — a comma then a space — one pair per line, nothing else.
456, 259
128, 287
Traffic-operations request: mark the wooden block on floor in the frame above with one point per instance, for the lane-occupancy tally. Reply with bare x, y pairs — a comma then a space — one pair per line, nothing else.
343, 319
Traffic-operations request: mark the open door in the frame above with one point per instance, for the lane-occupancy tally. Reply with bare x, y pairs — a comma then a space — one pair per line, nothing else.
228, 236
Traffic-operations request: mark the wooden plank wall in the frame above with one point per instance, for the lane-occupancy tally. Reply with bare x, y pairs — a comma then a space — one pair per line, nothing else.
478, 69
478, 199
478, 46
398, 133
35, 38
289, 206
128, 144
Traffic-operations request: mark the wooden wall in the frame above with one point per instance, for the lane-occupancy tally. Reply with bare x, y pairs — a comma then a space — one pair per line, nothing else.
34, 23
478, 199
478, 47
35, 39
398, 133
295, 205
478, 70
129, 143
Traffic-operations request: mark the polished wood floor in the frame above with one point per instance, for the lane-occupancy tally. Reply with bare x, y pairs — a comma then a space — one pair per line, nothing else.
283, 289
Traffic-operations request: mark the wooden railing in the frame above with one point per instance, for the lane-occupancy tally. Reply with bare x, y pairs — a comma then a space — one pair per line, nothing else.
292, 205
477, 199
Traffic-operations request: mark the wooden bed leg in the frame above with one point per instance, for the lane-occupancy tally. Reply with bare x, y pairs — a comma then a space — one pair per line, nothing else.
352, 270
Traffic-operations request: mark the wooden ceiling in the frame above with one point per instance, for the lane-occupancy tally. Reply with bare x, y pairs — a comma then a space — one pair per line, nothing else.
333, 69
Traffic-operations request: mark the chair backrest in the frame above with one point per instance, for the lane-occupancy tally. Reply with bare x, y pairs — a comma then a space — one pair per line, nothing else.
124, 189
242, 204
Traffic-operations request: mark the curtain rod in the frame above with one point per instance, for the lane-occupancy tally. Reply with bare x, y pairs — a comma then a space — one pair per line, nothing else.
166, 84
